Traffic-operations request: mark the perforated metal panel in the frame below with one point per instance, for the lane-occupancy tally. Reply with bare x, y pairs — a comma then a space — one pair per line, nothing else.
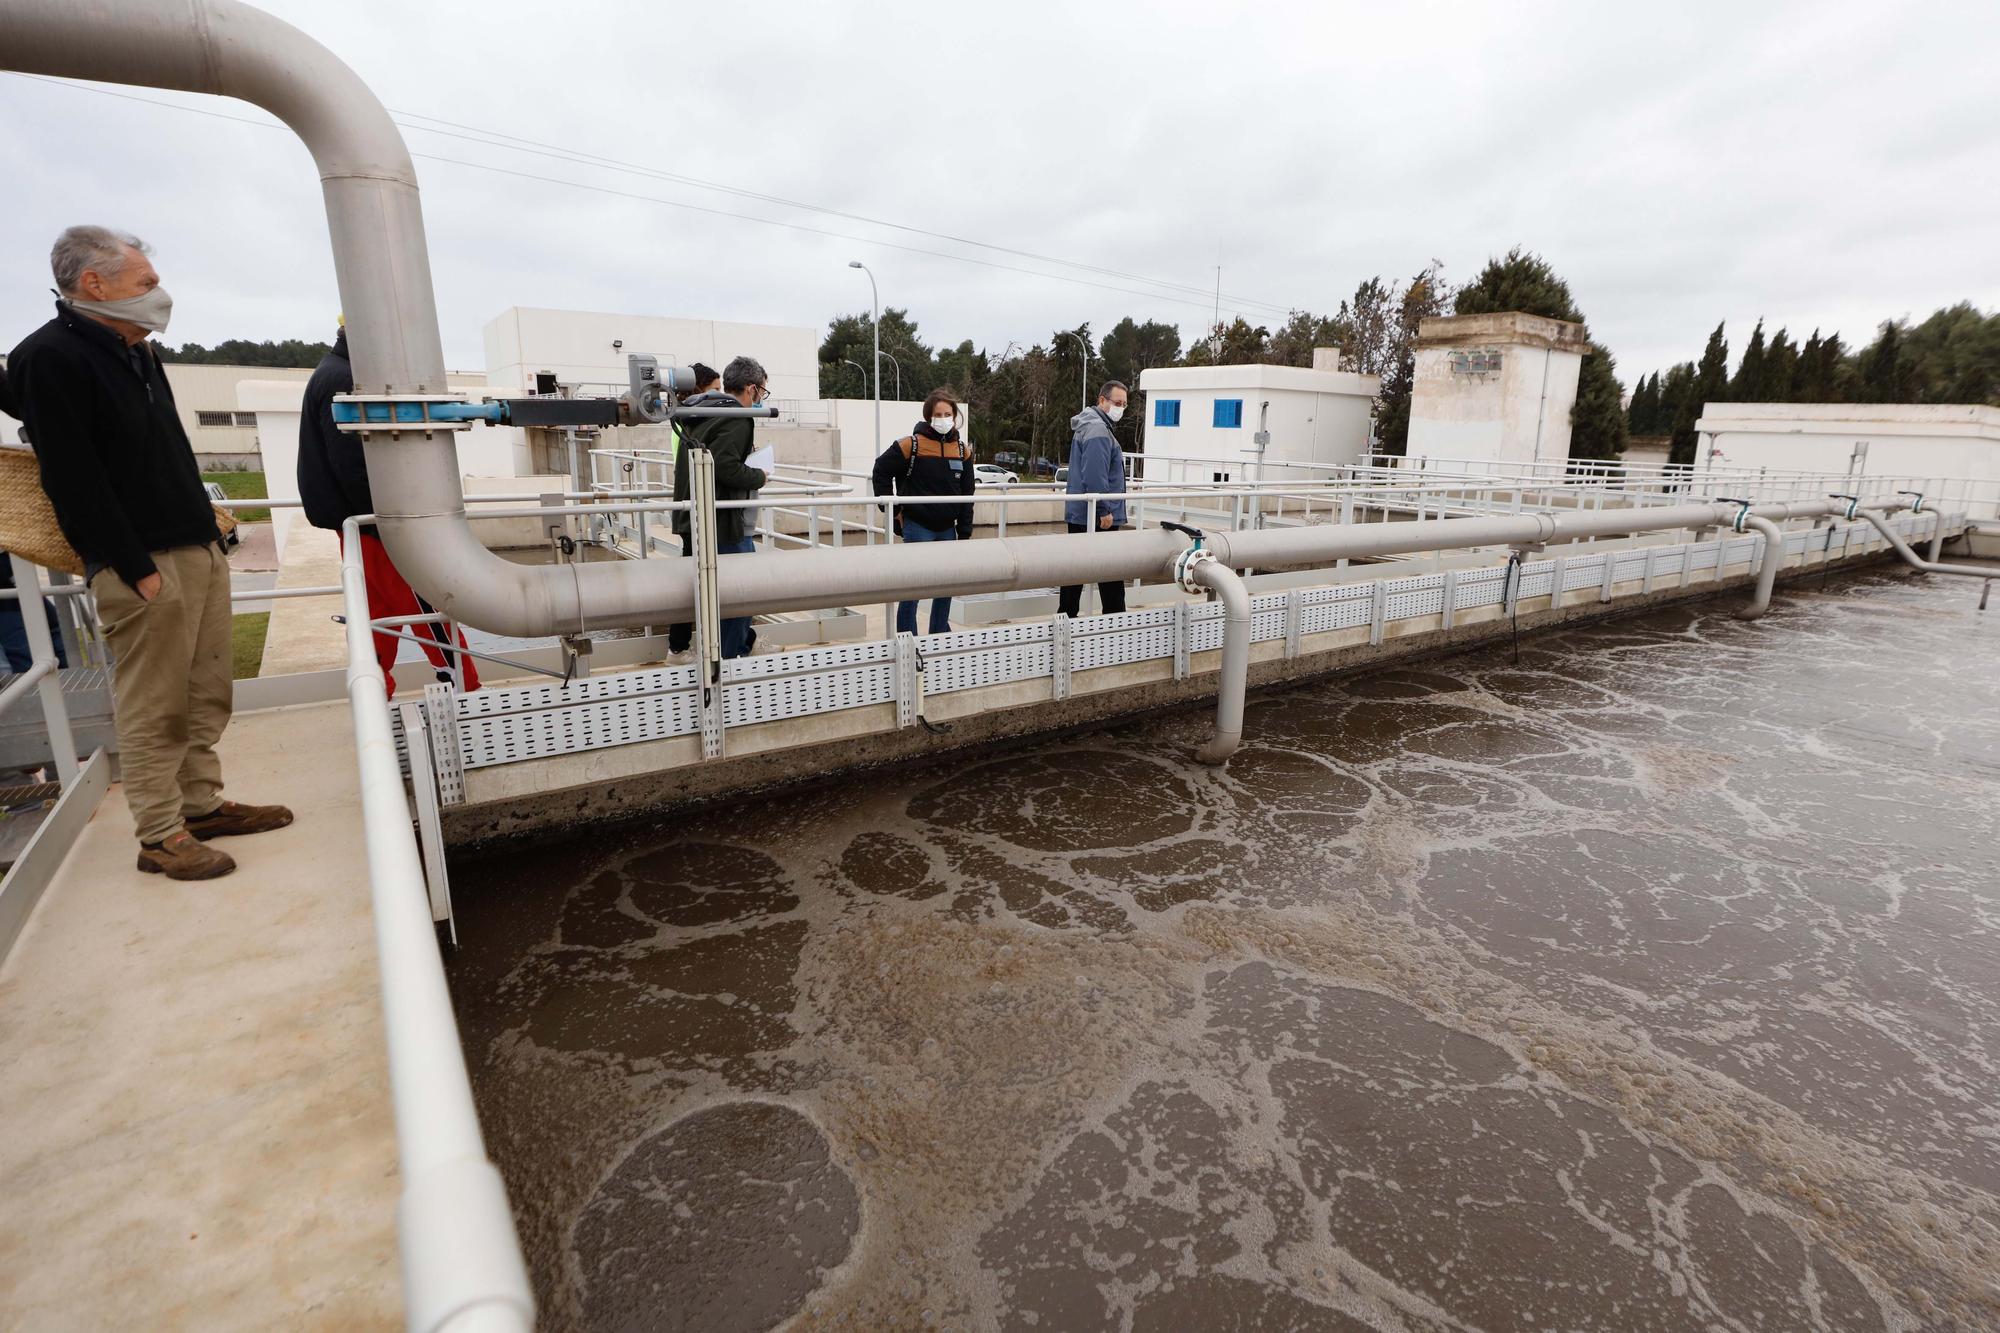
1338, 608
509, 738
1742, 551
1481, 587
519, 698
1205, 627
999, 665
774, 699
808, 660
1583, 572
1704, 555
1117, 647
1413, 597
1538, 579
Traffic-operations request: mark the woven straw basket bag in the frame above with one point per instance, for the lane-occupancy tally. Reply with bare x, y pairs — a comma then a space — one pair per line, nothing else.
28, 522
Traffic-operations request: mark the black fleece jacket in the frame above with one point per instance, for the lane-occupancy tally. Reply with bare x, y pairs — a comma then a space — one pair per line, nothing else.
730, 441
333, 474
925, 463
116, 464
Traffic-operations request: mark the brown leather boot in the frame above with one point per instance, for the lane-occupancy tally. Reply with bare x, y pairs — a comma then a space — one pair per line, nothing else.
182, 857
230, 820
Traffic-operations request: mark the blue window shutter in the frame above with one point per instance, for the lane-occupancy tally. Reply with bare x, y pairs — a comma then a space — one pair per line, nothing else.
1166, 411
1228, 413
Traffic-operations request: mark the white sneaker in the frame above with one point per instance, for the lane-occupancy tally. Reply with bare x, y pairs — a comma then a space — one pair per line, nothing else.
682, 658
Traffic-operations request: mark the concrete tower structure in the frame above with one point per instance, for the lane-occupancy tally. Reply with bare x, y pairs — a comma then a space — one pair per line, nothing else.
1495, 388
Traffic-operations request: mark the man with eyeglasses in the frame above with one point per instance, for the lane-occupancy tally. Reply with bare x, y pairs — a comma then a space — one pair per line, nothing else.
729, 440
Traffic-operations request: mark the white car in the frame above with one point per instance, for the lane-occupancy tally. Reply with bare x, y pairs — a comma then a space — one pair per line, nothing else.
991, 474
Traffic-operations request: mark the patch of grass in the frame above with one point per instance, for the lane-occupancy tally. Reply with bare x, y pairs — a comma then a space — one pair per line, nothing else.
243, 486
246, 642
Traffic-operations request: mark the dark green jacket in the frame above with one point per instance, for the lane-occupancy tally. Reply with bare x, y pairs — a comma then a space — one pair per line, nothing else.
730, 440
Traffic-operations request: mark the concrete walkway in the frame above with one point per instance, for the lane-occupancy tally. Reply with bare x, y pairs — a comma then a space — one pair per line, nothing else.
195, 1129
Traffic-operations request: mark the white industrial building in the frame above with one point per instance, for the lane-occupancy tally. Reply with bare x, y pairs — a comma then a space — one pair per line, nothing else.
225, 436
1863, 439
1494, 388
1216, 423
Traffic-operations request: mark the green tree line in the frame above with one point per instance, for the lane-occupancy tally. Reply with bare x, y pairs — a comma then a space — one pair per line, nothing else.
1023, 397
291, 353
1951, 357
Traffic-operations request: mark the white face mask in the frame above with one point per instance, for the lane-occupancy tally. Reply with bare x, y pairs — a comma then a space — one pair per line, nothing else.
149, 310
943, 425
1114, 413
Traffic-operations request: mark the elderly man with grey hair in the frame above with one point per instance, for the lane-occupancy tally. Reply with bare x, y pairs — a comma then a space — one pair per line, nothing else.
729, 440
121, 476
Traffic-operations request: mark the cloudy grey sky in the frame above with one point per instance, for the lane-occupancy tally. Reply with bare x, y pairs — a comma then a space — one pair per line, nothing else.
1819, 164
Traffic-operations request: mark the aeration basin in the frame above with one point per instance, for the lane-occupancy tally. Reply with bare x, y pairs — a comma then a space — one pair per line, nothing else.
1645, 981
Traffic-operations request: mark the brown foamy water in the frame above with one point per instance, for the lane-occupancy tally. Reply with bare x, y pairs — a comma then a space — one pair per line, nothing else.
1650, 983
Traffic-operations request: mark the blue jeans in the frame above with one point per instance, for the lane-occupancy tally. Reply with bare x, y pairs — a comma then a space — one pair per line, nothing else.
906, 612
737, 636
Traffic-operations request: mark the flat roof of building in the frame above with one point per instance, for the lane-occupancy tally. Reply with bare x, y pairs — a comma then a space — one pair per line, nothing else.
1296, 379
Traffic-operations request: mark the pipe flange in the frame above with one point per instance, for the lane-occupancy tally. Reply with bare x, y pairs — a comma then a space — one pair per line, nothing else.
1185, 565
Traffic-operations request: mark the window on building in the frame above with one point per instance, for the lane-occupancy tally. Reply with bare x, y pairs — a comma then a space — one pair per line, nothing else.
1166, 411
246, 418
1228, 413
215, 418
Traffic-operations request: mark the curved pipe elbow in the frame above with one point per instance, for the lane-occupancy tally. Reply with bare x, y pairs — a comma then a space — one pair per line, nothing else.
1227, 585
1910, 557
1767, 568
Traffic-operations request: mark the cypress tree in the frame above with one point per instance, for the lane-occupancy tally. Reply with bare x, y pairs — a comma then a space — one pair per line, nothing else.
1781, 362
1597, 422
1885, 373
1748, 386
1804, 372
1645, 406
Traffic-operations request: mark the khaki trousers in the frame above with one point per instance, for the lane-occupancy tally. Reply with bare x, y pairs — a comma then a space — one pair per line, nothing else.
172, 679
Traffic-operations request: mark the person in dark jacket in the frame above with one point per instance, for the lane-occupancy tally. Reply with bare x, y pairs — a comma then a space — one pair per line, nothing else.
730, 441
13, 633
121, 476
1096, 467
932, 460
333, 485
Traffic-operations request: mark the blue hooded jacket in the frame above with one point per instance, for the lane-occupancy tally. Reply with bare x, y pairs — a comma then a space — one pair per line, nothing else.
1096, 467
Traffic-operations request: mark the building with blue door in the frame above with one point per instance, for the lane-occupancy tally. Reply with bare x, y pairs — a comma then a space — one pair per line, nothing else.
1219, 423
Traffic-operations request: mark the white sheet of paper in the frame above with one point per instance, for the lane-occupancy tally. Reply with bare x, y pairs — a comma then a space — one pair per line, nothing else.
763, 459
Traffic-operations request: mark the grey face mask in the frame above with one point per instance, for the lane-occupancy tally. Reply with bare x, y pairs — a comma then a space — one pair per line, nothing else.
149, 310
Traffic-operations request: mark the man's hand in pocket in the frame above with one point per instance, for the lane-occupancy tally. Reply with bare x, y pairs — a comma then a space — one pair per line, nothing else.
148, 587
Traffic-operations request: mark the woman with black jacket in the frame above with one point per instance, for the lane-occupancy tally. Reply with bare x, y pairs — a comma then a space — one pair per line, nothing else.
930, 461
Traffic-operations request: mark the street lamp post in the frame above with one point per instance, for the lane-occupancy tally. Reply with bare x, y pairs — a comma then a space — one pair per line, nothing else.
899, 372
857, 370
1083, 369
875, 296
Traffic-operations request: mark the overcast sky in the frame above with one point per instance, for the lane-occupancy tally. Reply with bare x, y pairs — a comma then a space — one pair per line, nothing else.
1816, 164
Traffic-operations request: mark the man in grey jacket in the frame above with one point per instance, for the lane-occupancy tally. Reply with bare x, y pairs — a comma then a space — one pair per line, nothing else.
1096, 467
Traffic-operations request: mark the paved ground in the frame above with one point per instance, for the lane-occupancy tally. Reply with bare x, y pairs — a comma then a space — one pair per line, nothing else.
195, 1128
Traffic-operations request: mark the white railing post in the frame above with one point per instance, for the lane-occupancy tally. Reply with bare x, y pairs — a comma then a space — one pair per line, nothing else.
35, 621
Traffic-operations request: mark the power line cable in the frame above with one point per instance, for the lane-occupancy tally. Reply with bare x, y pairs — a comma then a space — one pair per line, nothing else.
515, 143
582, 159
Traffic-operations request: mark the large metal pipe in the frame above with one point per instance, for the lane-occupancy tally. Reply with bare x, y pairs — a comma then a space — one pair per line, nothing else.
1767, 569
861, 575
1227, 585
1910, 557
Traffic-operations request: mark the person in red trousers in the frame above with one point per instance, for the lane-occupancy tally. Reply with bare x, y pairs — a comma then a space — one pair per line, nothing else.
333, 483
